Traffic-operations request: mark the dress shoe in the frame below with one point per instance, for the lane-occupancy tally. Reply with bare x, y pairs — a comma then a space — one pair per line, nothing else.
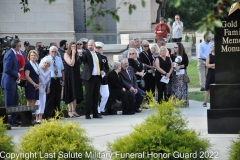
98, 116
74, 113
14, 125
104, 113
138, 110
88, 117
70, 114
202, 89
205, 104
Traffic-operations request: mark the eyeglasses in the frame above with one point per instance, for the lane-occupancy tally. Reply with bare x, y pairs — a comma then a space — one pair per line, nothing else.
131, 53
176, 18
79, 44
73, 46
175, 47
54, 51
145, 46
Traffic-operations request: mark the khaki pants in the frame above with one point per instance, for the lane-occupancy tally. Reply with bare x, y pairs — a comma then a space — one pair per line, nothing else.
202, 72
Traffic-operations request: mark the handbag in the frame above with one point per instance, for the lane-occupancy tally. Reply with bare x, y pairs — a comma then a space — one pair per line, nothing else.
22, 83
168, 89
186, 78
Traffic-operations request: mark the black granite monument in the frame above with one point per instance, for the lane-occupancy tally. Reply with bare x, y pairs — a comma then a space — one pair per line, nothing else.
224, 113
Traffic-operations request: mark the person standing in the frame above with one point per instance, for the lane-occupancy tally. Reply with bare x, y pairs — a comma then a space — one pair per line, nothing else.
210, 63
204, 49
31, 70
161, 30
93, 69
177, 29
73, 92
164, 68
44, 88
130, 45
179, 87
104, 89
10, 76
147, 60
62, 47
138, 42
57, 73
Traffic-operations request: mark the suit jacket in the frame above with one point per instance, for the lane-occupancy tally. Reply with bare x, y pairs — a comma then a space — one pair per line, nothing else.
10, 71
126, 81
87, 59
115, 84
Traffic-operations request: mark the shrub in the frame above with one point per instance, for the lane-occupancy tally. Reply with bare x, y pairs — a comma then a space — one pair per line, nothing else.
164, 134
234, 150
56, 140
6, 143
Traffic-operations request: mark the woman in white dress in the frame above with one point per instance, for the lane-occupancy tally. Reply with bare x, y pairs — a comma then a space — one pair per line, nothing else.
44, 81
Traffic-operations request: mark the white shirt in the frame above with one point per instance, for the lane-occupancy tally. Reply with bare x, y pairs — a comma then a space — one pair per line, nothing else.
59, 66
94, 72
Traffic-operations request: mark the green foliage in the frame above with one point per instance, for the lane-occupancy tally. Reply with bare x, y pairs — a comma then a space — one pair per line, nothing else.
197, 96
22, 101
193, 74
6, 143
21, 97
163, 133
234, 150
190, 11
56, 138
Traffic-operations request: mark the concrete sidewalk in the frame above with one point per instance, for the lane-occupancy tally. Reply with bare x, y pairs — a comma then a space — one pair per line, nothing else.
110, 127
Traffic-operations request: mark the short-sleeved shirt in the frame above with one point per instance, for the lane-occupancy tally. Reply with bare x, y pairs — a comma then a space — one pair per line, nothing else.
177, 33
57, 65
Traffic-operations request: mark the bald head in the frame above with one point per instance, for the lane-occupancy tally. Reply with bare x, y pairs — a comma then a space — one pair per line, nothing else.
91, 45
132, 44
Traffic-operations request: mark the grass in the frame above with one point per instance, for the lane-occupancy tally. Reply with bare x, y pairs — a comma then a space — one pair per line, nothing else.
193, 74
197, 96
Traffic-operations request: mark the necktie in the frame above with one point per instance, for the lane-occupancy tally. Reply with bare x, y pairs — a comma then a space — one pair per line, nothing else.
97, 63
55, 67
127, 74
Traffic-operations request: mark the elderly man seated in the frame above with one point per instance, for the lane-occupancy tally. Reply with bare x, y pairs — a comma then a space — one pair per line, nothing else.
130, 83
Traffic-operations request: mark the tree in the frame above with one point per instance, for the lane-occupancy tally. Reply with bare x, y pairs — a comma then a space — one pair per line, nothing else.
207, 23
190, 11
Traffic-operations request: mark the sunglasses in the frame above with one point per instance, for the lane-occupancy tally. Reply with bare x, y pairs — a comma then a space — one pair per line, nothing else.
145, 46
175, 47
79, 44
131, 53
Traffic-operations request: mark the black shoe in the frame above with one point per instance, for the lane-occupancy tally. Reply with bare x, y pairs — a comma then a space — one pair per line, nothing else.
88, 117
202, 89
98, 116
14, 125
104, 113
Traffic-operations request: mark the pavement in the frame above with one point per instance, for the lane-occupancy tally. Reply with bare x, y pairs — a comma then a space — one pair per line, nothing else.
112, 126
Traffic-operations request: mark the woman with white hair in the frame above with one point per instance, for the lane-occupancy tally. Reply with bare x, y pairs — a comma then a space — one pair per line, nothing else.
117, 91
137, 65
44, 80
147, 59
155, 51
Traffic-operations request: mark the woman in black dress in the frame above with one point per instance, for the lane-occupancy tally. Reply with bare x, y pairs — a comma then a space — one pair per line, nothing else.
164, 68
137, 66
117, 91
147, 60
31, 70
210, 64
73, 92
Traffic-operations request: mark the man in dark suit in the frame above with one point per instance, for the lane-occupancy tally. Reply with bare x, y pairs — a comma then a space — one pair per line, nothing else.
91, 75
130, 83
10, 76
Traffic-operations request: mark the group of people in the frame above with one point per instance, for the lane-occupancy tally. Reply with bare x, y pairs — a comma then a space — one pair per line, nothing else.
158, 69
